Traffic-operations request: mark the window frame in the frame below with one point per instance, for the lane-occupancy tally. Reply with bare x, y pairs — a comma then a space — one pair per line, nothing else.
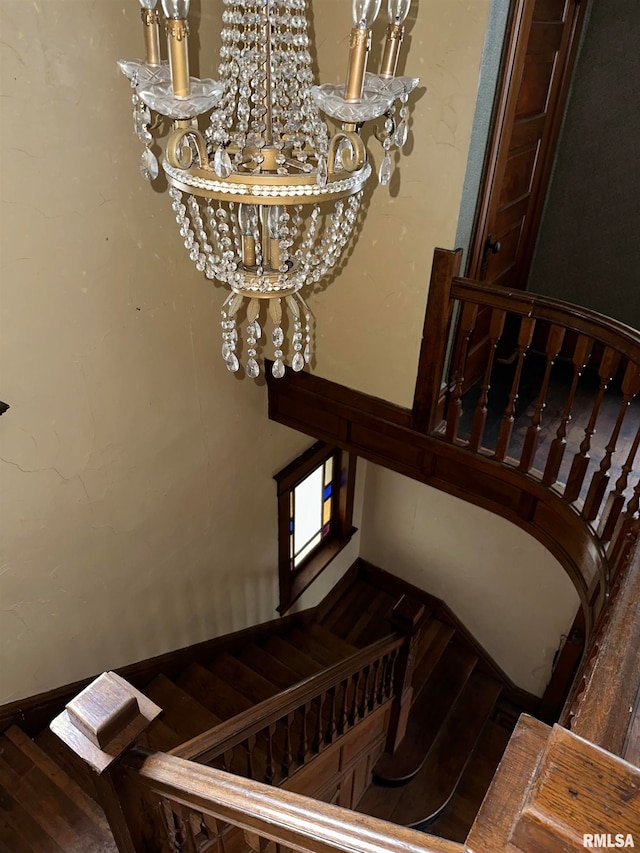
293, 582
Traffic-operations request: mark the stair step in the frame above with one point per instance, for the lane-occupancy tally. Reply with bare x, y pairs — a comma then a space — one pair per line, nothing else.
261, 661
433, 641
344, 607
181, 712
245, 680
292, 657
436, 782
61, 819
456, 820
332, 641
212, 692
19, 831
372, 622
312, 647
59, 777
428, 714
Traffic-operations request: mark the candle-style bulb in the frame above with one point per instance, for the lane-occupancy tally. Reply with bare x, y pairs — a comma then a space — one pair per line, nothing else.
365, 12
177, 10
247, 219
275, 224
149, 5
398, 10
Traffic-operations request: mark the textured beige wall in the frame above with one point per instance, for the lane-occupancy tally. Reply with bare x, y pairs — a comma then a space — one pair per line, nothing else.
138, 508
369, 321
510, 592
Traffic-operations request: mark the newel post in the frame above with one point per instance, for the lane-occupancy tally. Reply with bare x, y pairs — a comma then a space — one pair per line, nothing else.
99, 726
406, 617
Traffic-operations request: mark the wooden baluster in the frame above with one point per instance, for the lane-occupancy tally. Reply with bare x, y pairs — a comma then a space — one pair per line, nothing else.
227, 759
216, 828
390, 673
467, 325
600, 479
406, 617
581, 356
304, 750
317, 735
619, 537
362, 704
343, 717
375, 692
353, 710
287, 754
608, 366
270, 768
330, 734
249, 745
496, 329
615, 501
554, 344
527, 326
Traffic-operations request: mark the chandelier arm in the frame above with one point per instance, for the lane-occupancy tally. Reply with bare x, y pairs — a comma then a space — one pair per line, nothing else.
179, 155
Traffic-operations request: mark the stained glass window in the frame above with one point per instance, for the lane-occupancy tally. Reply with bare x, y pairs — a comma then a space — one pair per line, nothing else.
310, 512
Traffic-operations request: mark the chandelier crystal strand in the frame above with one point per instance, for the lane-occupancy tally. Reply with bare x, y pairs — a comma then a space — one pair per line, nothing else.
264, 199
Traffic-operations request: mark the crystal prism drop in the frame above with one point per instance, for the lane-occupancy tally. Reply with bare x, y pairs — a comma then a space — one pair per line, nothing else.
232, 362
277, 369
322, 176
384, 175
298, 363
307, 353
222, 165
252, 368
400, 136
149, 165
277, 337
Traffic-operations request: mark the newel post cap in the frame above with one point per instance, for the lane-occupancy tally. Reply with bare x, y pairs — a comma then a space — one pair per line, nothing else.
104, 720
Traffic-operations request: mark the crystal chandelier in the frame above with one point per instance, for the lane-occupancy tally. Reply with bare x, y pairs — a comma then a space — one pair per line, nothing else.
265, 197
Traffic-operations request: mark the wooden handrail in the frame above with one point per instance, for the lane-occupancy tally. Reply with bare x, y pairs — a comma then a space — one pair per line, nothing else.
292, 820
604, 329
224, 736
602, 706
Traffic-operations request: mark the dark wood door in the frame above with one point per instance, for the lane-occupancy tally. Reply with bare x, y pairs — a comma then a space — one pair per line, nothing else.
538, 60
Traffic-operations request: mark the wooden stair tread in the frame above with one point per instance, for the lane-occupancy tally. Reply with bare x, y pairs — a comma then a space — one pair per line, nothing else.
260, 659
19, 831
435, 784
341, 610
212, 692
332, 641
60, 818
181, 711
244, 679
373, 622
433, 641
312, 647
292, 657
428, 713
457, 818
59, 777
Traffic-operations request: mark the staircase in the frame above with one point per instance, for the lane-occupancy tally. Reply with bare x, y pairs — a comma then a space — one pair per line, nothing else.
48, 797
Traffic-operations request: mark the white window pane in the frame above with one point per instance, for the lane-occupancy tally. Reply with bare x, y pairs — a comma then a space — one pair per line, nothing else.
307, 550
308, 509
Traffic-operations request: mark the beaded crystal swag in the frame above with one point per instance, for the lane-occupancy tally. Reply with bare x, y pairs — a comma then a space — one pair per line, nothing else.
266, 200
